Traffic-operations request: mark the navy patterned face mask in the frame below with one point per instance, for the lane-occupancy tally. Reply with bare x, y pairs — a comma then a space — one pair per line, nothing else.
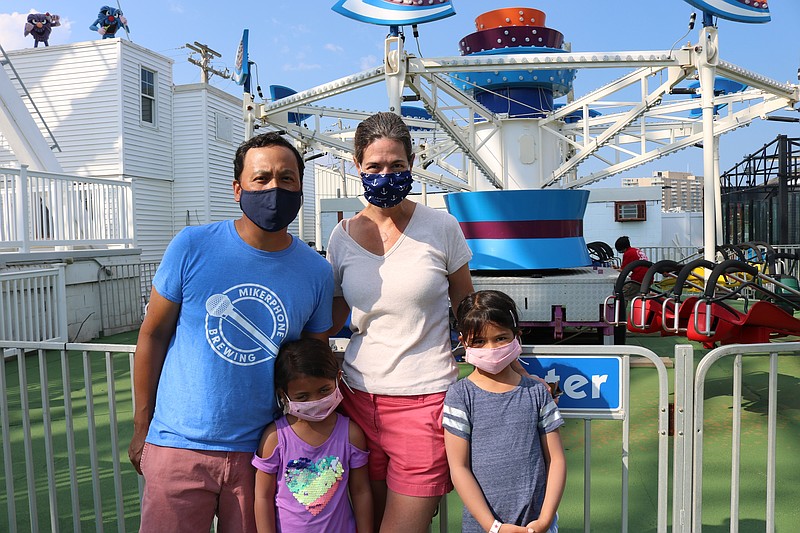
386, 190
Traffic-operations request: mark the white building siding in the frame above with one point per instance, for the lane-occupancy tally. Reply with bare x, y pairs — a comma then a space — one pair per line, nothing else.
153, 214
76, 88
226, 109
203, 163
147, 148
599, 224
190, 152
308, 213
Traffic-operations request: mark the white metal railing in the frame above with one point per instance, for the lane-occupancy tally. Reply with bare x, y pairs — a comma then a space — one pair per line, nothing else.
624, 352
685, 253
33, 305
46, 209
674, 253
697, 429
67, 416
71, 426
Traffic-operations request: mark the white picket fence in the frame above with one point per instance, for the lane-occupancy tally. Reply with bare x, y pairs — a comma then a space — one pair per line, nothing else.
33, 305
47, 210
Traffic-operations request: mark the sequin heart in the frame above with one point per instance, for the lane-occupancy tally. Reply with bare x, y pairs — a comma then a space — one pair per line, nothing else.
313, 484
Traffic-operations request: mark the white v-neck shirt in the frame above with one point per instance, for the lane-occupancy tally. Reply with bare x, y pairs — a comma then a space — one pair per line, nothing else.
399, 302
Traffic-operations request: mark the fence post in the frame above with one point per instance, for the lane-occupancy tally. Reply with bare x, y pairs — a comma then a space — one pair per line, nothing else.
23, 209
683, 435
63, 324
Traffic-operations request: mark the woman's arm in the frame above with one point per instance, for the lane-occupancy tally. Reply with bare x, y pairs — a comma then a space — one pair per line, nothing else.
359, 486
458, 458
556, 480
460, 285
340, 312
266, 484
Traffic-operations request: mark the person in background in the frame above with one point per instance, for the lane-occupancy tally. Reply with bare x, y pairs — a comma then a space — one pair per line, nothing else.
224, 299
312, 458
501, 428
395, 263
629, 255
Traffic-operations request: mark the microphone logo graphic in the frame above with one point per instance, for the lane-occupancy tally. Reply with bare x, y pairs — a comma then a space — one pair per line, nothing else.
247, 329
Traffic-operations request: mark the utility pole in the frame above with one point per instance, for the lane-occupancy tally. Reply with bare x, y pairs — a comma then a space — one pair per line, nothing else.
206, 55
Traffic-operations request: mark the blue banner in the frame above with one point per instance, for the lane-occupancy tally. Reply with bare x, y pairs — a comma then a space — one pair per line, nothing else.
589, 383
241, 73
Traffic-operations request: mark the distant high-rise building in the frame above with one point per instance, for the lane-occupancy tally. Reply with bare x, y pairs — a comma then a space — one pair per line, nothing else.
681, 191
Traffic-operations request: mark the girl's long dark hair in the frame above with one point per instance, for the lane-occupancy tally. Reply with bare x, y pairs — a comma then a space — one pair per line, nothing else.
482, 307
304, 357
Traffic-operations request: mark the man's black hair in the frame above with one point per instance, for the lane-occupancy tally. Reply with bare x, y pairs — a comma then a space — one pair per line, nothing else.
262, 141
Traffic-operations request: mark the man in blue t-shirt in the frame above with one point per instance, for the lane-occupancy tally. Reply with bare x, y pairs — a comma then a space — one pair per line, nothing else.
224, 298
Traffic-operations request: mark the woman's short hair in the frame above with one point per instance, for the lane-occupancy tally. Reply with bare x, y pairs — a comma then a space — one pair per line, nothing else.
382, 125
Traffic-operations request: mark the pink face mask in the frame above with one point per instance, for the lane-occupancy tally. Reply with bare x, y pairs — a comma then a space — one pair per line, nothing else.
493, 360
316, 410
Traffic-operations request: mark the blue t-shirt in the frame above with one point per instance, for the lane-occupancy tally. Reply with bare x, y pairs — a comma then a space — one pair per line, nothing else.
238, 304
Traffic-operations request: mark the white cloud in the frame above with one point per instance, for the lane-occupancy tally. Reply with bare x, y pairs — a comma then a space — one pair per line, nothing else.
175, 7
289, 67
368, 62
12, 28
333, 47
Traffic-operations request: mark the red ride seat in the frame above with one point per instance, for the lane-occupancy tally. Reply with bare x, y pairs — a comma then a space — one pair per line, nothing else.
759, 324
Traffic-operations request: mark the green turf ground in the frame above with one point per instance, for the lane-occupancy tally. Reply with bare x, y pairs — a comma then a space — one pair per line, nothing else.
606, 449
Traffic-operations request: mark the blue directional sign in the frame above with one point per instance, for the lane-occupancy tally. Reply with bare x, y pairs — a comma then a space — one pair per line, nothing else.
589, 383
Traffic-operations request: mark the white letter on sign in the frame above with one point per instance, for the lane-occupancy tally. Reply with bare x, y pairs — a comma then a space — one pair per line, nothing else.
596, 382
572, 384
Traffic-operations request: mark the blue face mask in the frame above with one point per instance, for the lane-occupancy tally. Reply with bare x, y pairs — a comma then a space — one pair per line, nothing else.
386, 190
271, 209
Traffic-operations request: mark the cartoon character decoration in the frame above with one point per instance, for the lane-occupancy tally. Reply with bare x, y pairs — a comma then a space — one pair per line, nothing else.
40, 25
109, 21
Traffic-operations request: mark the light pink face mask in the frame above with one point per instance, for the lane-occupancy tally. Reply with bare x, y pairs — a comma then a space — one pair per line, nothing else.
493, 360
316, 410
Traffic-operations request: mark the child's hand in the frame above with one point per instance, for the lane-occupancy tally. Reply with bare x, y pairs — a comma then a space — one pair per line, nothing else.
538, 526
511, 528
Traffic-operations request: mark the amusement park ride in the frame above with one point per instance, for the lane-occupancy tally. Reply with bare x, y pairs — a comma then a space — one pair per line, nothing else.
490, 133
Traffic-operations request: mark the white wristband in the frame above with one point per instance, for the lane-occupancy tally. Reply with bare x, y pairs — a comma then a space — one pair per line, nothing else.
496, 526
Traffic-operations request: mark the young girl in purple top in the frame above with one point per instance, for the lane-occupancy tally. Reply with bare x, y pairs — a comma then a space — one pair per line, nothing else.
312, 458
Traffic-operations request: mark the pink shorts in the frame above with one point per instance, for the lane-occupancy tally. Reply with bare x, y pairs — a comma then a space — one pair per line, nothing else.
405, 440
184, 489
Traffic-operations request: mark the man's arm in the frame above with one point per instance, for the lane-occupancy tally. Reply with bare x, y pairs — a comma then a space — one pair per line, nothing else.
151, 349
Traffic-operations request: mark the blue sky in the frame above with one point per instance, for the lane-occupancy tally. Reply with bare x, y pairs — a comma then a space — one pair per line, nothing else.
303, 43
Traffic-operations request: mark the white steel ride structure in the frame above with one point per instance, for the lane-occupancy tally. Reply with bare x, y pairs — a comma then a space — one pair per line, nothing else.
626, 133
477, 134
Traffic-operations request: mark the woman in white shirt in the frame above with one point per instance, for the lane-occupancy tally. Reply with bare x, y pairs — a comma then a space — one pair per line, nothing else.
395, 264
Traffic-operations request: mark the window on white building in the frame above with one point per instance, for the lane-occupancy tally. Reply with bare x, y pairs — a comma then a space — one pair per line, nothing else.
630, 211
148, 93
